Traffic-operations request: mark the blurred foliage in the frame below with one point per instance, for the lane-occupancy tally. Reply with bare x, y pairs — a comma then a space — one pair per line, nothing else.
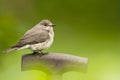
84, 27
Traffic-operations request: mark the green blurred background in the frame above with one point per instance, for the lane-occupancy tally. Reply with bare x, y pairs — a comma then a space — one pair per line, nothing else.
86, 28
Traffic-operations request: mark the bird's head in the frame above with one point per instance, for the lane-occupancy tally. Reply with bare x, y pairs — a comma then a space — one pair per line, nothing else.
47, 23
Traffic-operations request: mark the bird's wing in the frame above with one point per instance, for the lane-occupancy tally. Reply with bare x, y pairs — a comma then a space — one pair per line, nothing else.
30, 37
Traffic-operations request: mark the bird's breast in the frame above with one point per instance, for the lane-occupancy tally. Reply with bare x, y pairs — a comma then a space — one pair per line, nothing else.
44, 45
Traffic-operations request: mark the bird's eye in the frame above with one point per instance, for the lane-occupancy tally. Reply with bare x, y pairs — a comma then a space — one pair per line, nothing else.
45, 24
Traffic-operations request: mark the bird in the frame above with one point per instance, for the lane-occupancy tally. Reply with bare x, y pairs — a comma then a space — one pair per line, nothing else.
38, 38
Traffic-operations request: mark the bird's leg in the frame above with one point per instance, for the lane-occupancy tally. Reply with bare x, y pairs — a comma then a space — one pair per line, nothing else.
35, 52
41, 52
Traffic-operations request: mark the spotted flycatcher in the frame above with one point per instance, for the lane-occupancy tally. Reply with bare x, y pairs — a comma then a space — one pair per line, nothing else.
38, 38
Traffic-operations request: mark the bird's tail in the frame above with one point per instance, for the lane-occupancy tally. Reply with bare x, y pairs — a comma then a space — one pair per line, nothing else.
10, 49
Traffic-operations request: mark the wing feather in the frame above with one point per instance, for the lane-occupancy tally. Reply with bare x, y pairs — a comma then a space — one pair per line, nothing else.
33, 37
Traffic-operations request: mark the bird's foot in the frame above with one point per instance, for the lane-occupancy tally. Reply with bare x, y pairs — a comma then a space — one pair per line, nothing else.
35, 52
40, 53
43, 53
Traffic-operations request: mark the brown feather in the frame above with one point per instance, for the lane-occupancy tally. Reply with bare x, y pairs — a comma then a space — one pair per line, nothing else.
30, 37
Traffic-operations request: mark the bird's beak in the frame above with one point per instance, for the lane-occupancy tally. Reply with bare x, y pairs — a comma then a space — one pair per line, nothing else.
53, 25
